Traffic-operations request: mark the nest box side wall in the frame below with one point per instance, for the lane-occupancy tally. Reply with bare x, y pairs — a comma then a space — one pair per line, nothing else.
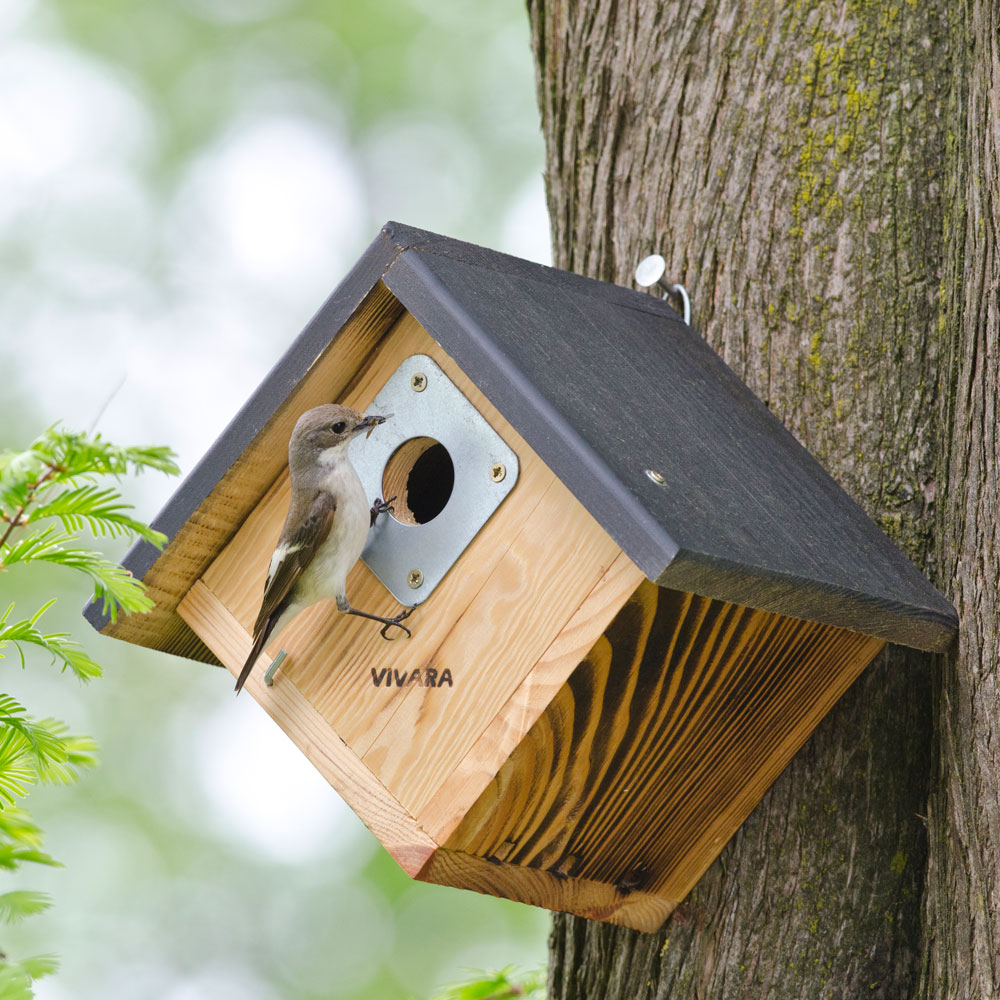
651, 755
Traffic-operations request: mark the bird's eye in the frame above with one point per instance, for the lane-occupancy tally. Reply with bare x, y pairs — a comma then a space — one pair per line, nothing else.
338, 427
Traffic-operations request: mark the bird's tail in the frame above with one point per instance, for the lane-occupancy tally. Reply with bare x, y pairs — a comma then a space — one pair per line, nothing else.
256, 650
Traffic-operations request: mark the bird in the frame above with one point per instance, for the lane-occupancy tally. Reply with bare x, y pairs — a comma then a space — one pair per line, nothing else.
326, 528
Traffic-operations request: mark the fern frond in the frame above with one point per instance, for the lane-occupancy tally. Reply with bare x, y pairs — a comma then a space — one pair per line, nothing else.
38, 966
17, 771
73, 754
12, 856
17, 774
34, 751
59, 645
21, 466
32, 547
100, 510
113, 584
16, 977
18, 826
76, 455
21, 840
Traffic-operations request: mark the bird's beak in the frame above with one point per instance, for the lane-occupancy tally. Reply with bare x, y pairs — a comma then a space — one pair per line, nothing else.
370, 422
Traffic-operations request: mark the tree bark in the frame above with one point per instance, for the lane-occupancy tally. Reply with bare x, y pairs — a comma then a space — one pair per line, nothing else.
962, 905
822, 176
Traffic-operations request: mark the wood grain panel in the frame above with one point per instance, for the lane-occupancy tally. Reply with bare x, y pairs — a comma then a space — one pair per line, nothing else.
662, 741
197, 541
360, 789
464, 785
548, 570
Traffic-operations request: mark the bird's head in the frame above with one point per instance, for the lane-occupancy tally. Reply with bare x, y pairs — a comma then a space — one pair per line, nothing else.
326, 430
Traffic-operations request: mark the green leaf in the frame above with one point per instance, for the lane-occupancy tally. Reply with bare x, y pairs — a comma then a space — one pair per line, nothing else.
21, 467
22, 903
16, 977
60, 646
113, 584
21, 840
12, 857
102, 511
17, 826
37, 751
507, 984
38, 966
75, 456
15, 983
75, 753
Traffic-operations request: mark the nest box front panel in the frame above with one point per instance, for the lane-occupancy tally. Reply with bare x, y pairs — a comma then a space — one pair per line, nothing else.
492, 619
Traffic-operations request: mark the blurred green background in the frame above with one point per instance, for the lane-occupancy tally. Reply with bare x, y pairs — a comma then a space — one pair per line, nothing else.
181, 185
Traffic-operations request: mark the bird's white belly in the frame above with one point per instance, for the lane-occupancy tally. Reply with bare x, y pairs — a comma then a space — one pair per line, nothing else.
326, 575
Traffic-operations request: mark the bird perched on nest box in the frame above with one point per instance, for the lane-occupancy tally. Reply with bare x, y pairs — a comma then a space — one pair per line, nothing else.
326, 527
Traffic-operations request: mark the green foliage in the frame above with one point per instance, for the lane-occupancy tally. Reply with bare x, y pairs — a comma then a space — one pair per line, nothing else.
16, 977
54, 479
60, 645
507, 984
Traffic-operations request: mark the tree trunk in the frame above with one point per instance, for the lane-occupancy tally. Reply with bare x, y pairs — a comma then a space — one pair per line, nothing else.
822, 176
962, 905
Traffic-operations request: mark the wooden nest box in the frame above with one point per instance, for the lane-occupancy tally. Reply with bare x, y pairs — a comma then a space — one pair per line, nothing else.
651, 593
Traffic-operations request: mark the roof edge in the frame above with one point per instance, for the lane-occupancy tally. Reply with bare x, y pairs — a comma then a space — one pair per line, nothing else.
919, 627
422, 241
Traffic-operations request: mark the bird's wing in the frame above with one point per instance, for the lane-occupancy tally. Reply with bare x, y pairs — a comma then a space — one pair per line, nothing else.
293, 554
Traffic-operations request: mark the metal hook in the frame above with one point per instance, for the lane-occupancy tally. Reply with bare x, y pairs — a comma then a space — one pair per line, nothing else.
651, 271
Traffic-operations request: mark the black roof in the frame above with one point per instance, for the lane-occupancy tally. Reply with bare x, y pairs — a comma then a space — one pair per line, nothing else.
605, 383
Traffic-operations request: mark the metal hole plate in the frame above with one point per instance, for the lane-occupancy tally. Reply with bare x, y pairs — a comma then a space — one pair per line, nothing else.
399, 553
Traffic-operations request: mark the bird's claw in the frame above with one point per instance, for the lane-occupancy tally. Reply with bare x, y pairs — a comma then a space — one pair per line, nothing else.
381, 507
405, 613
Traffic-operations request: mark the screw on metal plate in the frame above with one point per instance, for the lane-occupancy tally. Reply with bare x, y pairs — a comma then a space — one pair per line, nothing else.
498, 472
275, 663
651, 270
415, 578
418, 382
656, 477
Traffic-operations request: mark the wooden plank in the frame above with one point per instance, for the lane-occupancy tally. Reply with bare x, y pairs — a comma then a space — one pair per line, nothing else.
489, 623
594, 900
662, 742
381, 811
225, 487
489, 753
548, 570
